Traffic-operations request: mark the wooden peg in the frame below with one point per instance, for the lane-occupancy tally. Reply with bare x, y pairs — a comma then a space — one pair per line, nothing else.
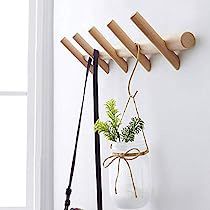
181, 42
75, 52
129, 44
78, 38
108, 47
154, 37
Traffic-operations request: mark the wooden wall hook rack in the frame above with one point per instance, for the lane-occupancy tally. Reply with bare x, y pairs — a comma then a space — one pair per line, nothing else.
166, 46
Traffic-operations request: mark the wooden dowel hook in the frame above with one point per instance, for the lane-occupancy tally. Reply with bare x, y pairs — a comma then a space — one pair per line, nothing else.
108, 48
79, 39
75, 52
154, 37
129, 44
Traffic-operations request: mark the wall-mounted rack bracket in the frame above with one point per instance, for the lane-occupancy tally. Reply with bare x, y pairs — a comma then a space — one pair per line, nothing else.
167, 46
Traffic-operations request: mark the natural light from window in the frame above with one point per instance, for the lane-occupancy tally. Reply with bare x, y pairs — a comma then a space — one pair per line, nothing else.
13, 102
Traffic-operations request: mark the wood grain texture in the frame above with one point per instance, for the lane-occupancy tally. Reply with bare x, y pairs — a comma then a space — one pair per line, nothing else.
108, 48
75, 52
154, 37
129, 44
81, 41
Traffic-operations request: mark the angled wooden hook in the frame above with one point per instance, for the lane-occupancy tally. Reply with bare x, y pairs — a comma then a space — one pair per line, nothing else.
129, 44
81, 41
108, 48
154, 37
75, 52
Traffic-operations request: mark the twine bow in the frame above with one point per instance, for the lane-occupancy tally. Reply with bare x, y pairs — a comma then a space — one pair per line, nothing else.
131, 154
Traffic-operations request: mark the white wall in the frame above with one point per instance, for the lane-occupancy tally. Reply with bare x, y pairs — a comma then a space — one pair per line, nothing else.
174, 104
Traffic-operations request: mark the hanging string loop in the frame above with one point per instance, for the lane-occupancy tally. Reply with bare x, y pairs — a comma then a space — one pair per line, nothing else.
132, 96
132, 73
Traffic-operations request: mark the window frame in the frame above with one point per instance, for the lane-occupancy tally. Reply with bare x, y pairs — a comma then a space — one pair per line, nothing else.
31, 107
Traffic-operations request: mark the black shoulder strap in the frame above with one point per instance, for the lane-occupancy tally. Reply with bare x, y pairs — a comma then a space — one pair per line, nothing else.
97, 137
68, 190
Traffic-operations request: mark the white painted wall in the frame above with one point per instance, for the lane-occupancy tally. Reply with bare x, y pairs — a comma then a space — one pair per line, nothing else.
174, 104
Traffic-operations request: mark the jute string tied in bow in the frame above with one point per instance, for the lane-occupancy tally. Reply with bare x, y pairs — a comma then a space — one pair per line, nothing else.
132, 153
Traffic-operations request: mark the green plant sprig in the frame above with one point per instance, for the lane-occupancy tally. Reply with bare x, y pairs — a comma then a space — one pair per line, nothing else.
110, 128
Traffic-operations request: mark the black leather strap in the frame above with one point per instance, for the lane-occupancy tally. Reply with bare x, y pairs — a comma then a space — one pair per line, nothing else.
68, 190
97, 137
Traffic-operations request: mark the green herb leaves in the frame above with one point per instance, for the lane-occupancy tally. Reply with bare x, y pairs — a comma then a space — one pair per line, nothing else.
110, 128
135, 126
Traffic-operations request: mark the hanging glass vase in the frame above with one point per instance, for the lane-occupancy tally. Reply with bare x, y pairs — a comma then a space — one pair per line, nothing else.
129, 165
129, 176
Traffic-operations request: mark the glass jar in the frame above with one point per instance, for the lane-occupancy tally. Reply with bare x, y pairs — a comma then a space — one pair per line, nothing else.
125, 197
